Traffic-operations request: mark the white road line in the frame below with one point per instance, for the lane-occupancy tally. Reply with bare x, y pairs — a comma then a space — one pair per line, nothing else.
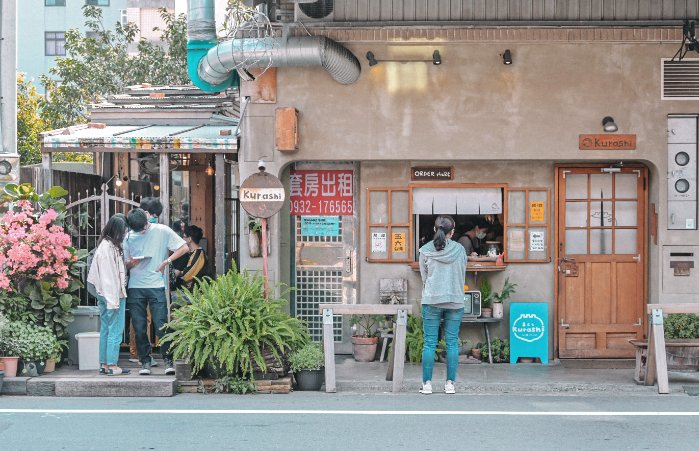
350, 412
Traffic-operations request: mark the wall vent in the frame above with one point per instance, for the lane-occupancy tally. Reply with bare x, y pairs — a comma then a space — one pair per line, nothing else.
318, 11
680, 79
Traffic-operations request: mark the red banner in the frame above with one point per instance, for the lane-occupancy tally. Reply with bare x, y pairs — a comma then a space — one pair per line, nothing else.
321, 192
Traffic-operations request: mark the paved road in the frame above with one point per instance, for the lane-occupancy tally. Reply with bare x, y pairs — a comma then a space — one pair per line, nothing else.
351, 422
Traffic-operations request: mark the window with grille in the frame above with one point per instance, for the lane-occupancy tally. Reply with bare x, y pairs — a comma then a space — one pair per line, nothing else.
97, 2
55, 2
55, 43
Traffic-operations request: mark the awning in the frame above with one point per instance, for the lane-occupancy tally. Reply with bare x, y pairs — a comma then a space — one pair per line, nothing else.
457, 201
91, 138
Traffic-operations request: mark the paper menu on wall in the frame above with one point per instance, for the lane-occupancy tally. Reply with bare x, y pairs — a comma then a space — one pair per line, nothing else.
378, 242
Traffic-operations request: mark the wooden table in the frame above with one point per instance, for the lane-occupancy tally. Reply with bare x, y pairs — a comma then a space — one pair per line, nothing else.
485, 322
398, 352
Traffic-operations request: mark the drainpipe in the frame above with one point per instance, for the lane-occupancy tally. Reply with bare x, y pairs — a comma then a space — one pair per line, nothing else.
212, 66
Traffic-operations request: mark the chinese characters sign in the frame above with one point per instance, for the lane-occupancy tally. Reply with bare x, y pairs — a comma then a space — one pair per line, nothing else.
398, 240
537, 211
321, 192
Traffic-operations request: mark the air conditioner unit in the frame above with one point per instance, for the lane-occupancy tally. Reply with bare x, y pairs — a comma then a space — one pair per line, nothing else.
317, 11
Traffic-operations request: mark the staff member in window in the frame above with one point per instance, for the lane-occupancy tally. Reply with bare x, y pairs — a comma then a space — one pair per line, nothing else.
443, 272
474, 237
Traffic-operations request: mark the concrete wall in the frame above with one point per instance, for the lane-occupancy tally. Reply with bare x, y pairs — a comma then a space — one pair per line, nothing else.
473, 108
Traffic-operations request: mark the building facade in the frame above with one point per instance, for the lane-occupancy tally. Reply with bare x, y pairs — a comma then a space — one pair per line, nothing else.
490, 110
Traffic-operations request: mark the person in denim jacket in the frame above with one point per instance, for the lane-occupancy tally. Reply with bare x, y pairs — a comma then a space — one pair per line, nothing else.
443, 272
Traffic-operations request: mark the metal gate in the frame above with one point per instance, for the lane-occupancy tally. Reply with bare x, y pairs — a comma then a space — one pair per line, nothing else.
86, 217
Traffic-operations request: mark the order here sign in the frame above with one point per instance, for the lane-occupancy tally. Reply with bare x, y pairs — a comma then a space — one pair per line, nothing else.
321, 192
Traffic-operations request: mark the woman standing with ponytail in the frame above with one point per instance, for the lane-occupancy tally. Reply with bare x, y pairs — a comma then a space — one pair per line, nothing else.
443, 271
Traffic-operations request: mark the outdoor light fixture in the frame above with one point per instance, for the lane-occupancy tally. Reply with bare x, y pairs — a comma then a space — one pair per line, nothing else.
507, 57
609, 125
436, 59
118, 181
156, 187
210, 169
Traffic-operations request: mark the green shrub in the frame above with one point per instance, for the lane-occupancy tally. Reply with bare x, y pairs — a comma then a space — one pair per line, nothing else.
681, 325
414, 339
229, 323
30, 342
500, 348
365, 325
235, 385
309, 357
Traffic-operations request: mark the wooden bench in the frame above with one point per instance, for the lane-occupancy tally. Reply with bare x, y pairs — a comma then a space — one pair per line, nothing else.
656, 360
397, 353
642, 356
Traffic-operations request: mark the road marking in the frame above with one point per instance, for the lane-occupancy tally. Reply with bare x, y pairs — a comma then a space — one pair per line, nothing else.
349, 412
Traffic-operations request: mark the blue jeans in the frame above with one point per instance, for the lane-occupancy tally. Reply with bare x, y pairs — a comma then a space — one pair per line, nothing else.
111, 330
431, 317
138, 301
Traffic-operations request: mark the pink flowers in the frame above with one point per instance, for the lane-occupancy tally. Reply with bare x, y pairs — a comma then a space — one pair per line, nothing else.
33, 247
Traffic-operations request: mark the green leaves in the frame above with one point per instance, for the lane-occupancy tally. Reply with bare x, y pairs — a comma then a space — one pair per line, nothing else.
229, 323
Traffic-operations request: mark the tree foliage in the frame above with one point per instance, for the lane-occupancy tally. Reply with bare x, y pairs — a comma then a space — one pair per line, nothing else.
29, 121
100, 65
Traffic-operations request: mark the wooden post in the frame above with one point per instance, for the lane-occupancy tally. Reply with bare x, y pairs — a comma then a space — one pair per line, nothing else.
399, 350
47, 169
657, 360
264, 258
329, 349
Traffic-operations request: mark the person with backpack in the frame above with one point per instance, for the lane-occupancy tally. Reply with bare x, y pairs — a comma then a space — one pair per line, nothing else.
107, 282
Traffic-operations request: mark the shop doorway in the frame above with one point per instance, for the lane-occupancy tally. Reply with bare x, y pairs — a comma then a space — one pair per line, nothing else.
601, 260
324, 230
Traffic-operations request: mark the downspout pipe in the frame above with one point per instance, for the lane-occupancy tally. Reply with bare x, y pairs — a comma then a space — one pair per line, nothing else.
213, 67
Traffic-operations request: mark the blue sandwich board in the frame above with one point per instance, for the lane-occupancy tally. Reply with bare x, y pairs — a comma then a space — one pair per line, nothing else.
529, 331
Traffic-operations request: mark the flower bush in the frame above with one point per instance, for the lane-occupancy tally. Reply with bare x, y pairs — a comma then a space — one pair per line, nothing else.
31, 342
39, 269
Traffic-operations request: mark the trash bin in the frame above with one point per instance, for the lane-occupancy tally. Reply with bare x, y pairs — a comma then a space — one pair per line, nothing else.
88, 350
87, 319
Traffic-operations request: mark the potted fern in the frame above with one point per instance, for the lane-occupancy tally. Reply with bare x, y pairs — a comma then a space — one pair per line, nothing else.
486, 298
308, 366
231, 330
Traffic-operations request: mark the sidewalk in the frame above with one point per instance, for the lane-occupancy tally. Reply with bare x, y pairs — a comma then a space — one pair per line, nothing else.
613, 377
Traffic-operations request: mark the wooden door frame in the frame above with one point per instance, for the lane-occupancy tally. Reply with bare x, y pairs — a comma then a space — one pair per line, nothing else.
558, 167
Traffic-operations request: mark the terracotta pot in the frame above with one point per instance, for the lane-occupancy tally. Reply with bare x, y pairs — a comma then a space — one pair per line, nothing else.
10, 366
50, 366
486, 312
364, 348
498, 310
476, 353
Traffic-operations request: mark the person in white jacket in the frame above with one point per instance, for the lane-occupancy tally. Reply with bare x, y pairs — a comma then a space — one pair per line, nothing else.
108, 275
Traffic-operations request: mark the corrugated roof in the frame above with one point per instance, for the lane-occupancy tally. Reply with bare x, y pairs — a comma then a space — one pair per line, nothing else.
176, 137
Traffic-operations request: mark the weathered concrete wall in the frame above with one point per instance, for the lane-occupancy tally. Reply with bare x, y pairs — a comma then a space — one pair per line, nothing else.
474, 108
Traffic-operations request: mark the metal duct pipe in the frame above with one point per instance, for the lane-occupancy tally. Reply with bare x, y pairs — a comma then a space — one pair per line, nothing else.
213, 67
228, 56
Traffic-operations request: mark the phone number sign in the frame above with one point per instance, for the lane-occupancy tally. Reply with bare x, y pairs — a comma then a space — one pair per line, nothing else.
321, 192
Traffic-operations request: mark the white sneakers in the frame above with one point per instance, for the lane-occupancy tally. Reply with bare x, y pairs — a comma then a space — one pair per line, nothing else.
426, 388
448, 388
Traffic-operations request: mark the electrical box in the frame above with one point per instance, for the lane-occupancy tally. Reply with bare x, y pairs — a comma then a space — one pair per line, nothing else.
682, 172
286, 129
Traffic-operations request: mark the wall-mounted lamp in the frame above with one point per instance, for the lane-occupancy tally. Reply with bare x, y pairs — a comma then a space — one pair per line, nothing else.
609, 125
156, 187
507, 57
436, 59
120, 179
210, 169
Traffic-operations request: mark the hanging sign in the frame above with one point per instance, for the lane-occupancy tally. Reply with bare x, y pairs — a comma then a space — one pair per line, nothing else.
607, 142
378, 242
321, 192
320, 226
536, 242
426, 173
398, 241
537, 211
262, 195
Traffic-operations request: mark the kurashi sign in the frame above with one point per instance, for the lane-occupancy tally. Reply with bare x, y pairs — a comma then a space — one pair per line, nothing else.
262, 195
321, 192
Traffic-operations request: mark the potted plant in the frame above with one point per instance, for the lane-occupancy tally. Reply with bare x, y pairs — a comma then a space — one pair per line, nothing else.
365, 336
55, 357
486, 298
229, 327
8, 355
500, 349
682, 328
308, 365
508, 289
33, 344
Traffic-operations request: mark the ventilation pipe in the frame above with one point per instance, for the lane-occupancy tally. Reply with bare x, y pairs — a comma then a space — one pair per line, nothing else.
212, 66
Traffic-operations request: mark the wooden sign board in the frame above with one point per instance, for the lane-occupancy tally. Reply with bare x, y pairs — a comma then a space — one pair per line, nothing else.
607, 142
262, 195
431, 173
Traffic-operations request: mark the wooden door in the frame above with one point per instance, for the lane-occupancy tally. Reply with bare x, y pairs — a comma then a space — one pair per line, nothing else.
601, 257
